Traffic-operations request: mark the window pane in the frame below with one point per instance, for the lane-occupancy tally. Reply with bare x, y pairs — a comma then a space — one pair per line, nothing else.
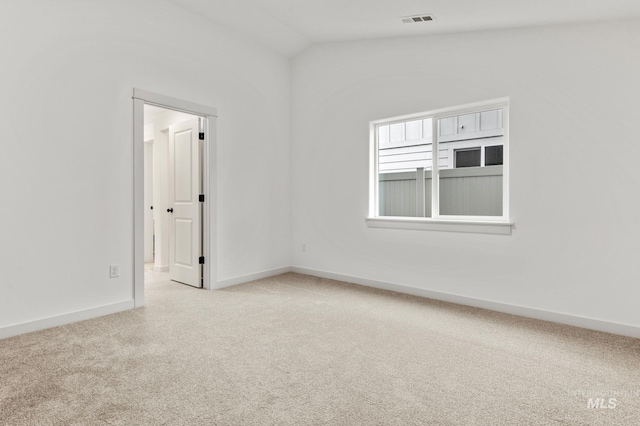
468, 158
493, 155
404, 168
466, 187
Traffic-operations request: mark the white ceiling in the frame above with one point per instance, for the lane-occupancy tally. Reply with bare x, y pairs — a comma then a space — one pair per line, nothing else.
290, 26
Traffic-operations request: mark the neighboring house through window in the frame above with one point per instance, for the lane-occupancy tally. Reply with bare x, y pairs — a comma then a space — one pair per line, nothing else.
471, 165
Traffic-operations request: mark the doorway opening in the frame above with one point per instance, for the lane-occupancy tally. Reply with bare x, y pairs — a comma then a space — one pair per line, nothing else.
174, 205
173, 184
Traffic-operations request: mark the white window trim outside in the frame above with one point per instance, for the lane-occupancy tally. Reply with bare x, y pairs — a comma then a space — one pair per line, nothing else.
437, 222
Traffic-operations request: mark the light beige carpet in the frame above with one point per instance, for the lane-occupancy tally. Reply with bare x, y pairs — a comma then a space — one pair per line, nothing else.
298, 350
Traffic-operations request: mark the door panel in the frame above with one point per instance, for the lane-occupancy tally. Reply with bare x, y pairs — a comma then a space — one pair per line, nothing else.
183, 166
183, 248
185, 230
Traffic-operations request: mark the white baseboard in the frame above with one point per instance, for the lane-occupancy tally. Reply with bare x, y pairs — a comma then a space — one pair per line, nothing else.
41, 324
523, 311
161, 268
251, 277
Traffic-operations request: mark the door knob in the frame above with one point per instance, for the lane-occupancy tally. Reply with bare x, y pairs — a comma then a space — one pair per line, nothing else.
170, 210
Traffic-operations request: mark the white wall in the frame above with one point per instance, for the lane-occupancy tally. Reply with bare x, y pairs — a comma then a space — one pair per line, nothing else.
66, 168
575, 186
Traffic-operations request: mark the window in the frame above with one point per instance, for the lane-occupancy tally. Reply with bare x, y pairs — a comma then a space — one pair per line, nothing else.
472, 157
493, 155
470, 181
467, 158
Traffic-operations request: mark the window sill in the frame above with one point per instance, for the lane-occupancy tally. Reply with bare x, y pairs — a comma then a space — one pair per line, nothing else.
473, 226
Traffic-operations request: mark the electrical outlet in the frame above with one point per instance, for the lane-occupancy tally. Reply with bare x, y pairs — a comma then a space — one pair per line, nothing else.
304, 247
114, 271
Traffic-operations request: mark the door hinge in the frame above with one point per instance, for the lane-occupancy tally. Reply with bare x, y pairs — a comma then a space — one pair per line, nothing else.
201, 198
201, 136
201, 260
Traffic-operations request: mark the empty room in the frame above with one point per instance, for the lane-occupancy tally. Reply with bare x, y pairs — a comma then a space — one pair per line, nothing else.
320, 212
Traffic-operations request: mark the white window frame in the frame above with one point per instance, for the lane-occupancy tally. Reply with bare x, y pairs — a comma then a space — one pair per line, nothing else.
475, 224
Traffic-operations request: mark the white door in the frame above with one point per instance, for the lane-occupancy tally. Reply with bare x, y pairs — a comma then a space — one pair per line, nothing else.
185, 230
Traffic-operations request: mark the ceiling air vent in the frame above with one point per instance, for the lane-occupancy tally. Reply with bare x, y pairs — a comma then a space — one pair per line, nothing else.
417, 18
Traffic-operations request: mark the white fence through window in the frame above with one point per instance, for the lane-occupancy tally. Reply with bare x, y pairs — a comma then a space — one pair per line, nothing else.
470, 191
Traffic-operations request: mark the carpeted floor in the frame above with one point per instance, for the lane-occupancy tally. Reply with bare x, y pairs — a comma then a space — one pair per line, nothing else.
299, 350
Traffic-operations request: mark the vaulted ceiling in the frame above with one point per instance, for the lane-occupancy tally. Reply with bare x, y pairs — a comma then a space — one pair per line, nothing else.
290, 26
